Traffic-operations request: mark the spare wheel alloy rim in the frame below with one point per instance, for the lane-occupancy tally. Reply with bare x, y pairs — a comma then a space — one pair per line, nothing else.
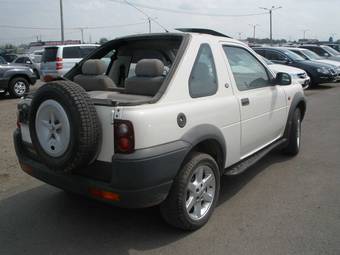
53, 128
200, 192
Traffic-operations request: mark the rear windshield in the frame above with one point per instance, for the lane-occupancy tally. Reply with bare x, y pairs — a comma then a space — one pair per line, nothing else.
50, 54
77, 52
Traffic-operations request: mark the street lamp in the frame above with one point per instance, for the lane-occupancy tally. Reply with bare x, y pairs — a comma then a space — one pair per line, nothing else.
62, 22
270, 11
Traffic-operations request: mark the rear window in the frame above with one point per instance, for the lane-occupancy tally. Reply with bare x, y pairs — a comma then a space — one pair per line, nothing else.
77, 52
50, 54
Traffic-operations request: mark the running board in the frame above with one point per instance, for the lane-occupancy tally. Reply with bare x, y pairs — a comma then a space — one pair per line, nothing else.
239, 168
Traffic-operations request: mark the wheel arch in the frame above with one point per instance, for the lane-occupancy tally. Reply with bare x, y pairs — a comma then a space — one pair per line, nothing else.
25, 76
207, 139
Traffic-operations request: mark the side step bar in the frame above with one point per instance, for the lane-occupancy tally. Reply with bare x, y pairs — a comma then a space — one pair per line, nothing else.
242, 166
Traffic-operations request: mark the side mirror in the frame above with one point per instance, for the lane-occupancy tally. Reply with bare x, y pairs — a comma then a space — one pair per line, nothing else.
28, 62
283, 79
326, 55
287, 61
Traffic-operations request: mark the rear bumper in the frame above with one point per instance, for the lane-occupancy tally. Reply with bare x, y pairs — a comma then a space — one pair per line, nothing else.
141, 179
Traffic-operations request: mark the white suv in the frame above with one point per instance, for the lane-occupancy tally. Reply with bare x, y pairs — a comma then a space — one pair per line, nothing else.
58, 60
193, 108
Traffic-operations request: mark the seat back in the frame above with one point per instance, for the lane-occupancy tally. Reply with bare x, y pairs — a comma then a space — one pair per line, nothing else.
149, 77
93, 76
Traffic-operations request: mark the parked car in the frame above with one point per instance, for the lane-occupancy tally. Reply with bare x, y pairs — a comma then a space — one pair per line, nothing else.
310, 55
160, 139
58, 60
335, 46
318, 72
297, 74
27, 60
323, 51
15, 79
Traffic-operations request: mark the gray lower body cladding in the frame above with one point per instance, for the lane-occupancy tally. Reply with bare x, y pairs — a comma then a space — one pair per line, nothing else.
141, 179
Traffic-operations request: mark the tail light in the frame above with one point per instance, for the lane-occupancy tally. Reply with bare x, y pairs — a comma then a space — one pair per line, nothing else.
124, 137
59, 63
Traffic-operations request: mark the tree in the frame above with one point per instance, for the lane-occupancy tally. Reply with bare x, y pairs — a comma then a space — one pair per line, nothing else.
103, 40
331, 39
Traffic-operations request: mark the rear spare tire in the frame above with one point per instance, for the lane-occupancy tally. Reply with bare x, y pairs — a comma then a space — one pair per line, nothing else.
64, 126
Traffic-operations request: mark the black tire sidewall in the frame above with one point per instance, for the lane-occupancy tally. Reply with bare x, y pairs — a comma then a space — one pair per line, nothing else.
293, 148
12, 83
74, 120
208, 161
173, 209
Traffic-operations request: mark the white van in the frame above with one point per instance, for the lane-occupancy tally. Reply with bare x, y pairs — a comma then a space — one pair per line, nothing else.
58, 60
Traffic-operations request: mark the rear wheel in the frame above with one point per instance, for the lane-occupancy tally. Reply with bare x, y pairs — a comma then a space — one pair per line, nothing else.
18, 87
294, 140
194, 193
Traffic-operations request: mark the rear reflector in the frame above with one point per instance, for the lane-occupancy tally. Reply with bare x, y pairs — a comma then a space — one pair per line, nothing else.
106, 195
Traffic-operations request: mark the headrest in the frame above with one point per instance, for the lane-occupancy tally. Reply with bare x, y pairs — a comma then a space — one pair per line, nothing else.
93, 67
149, 68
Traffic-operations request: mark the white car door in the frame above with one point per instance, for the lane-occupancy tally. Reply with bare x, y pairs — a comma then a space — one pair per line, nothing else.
263, 104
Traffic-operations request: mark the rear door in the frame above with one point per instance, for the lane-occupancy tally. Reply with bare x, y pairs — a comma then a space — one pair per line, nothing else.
263, 105
49, 60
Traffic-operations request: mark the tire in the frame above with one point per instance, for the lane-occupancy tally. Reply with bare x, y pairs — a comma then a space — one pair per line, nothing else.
294, 140
174, 208
64, 126
18, 87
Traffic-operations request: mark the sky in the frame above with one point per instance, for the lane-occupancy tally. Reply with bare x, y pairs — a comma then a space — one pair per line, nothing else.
23, 21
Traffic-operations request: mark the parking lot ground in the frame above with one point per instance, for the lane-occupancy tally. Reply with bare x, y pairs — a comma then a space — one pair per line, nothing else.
280, 206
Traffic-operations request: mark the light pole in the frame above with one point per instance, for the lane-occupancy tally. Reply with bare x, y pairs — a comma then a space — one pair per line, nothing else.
254, 29
62, 22
304, 33
270, 11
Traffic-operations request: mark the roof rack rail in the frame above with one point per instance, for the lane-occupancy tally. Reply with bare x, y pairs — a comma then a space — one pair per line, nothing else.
202, 31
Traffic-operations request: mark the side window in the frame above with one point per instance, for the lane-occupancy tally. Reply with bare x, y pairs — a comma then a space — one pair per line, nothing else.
249, 73
71, 52
272, 55
203, 77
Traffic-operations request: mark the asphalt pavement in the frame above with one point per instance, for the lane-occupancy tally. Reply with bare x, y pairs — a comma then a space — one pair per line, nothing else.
280, 206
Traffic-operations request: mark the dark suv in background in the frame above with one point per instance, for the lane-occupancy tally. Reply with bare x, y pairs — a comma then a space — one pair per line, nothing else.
318, 72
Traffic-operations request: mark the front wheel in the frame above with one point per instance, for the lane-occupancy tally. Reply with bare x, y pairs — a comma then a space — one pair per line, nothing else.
194, 193
294, 139
18, 87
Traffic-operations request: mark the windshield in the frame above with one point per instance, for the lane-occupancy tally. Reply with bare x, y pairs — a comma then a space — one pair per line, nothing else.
311, 55
293, 55
50, 54
330, 50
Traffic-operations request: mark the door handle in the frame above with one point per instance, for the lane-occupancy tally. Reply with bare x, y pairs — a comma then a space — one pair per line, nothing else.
245, 101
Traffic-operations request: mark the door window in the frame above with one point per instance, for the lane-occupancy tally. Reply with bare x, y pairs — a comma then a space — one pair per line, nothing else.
203, 77
248, 71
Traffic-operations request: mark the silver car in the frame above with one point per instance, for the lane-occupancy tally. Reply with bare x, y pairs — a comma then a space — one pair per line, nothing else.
58, 60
